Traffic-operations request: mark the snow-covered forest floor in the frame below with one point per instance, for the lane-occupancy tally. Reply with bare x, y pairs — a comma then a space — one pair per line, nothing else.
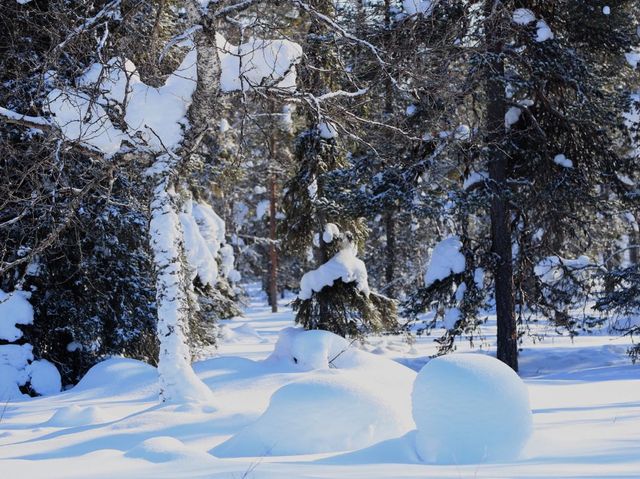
585, 396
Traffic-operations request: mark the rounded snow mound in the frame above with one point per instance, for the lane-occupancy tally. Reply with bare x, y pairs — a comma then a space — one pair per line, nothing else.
74, 415
309, 350
45, 377
347, 399
470, 408
119, 376
318, 415
164, 449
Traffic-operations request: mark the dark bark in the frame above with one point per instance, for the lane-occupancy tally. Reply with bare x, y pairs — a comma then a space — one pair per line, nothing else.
500, 212
390, 250
273, 252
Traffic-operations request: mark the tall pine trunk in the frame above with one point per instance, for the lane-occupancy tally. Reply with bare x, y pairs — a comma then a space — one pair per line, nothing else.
495, 18
390, 250
273, 251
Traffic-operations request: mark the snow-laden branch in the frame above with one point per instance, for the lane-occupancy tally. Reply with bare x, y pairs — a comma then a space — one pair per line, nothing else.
337, 93
11, 116
186, 35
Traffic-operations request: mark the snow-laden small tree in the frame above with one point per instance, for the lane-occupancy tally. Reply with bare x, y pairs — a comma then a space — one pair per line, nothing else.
336, 296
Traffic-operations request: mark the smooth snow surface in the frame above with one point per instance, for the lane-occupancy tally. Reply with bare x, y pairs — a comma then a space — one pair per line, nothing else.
74, 415
166, 449
343, 265
584, 392
470, 409
446, 259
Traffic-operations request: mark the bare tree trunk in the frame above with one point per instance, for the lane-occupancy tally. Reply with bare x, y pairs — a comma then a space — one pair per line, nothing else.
273, 252
500, 214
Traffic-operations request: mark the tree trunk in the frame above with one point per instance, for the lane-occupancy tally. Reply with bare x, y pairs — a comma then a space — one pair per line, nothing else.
174, 289
178, 381
273, 252
497, 163
634, 241
390, 266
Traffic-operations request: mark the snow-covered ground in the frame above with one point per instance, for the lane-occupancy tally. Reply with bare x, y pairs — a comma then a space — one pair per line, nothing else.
585, 396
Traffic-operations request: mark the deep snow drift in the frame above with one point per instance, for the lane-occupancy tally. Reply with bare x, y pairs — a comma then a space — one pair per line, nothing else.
584, 394
335, 408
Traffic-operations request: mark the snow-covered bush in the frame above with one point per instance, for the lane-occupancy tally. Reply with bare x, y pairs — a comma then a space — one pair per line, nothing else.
14, 309
470, 408
17, 366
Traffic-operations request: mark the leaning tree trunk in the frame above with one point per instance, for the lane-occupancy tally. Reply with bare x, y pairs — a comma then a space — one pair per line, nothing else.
497, 163
174, 289
178, 381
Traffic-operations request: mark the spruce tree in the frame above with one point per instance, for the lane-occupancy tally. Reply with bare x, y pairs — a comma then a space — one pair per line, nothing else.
312, 212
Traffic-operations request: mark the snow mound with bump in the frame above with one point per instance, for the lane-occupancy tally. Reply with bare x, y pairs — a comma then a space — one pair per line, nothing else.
119, 376
74, 415
165, 449
470, 408
347, 399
